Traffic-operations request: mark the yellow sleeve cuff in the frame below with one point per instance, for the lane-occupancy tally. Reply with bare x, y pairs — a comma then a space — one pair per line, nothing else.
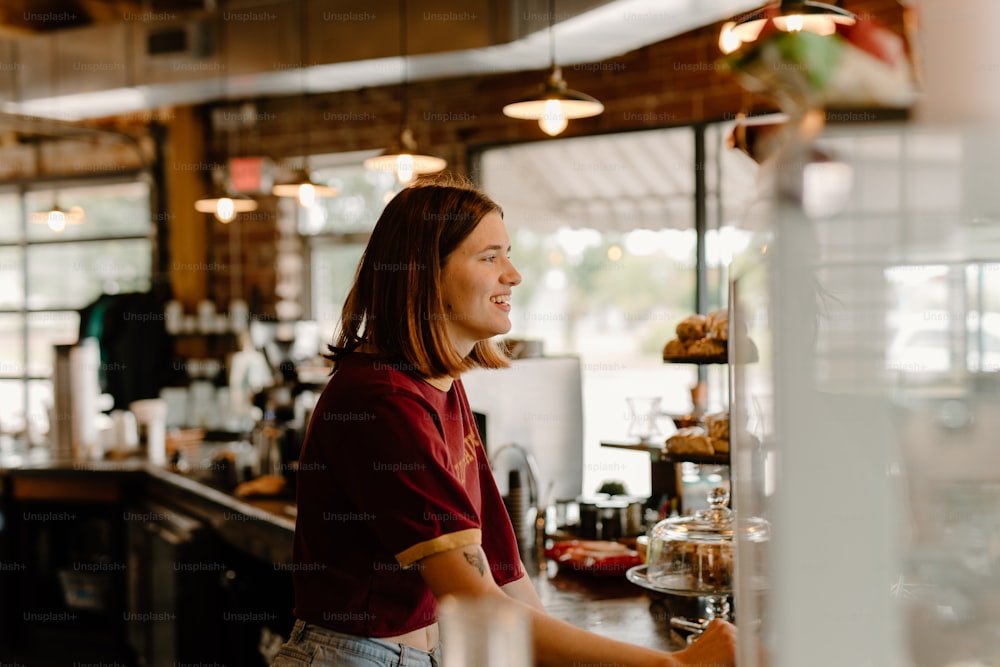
462, 538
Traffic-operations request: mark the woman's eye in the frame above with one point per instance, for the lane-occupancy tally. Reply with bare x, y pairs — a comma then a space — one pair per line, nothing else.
491, 258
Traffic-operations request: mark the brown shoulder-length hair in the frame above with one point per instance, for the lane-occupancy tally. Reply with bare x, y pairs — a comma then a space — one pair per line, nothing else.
395, 304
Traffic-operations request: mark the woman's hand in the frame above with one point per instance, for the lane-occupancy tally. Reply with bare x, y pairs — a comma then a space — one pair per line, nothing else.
715, 646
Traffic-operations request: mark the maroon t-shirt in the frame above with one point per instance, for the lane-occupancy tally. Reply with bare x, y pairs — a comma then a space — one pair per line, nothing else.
392, 470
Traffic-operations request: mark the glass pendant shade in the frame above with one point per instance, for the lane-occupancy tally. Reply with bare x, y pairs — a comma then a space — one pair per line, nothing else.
554, 105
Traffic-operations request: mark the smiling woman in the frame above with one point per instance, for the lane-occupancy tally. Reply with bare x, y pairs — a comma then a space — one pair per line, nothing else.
401, 474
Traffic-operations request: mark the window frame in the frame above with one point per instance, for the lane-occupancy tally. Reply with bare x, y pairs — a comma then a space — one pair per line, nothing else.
23, 243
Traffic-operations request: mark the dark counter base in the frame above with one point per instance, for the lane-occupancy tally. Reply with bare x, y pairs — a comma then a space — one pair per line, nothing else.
242, 547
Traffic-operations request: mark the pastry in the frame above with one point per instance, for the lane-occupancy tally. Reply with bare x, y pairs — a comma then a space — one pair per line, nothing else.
717, 325
713, 566
691, 328
707, 347
720, 446
690, 440
711, 317
718, 425
675, 348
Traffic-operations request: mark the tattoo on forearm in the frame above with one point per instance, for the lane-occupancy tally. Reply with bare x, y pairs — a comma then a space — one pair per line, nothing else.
475, 561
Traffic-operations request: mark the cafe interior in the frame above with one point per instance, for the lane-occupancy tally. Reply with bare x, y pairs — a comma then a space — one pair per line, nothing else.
759, 321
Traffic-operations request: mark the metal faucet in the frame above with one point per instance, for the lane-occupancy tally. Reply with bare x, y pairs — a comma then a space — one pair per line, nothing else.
534, 495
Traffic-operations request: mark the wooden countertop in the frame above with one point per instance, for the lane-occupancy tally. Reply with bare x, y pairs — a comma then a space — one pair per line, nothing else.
263, 527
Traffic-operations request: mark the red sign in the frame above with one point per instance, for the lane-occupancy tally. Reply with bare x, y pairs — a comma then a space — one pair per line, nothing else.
246, 174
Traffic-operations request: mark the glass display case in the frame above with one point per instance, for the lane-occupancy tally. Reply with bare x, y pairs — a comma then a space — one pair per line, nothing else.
865, 432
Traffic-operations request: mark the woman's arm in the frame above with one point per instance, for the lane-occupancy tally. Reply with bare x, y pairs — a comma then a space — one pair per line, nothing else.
524, 591
465, 572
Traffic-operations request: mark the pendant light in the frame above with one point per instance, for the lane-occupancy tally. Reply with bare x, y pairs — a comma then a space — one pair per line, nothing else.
225, 206
403, 159
56, 217
813, 16
302, 187
555, 104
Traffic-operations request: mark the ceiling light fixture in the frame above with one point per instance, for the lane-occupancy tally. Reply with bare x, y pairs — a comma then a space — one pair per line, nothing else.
302, 187
813, 16
555, 105
225, 206
57, 218
403, 159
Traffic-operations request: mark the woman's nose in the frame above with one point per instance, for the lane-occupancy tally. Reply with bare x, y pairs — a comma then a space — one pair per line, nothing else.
511, 276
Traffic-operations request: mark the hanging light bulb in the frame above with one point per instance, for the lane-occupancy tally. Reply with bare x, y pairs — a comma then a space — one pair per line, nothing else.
225, 208
404, 161
813, 16
404, 168
553, 120
57, 218
555, 104
304, 189
729, 41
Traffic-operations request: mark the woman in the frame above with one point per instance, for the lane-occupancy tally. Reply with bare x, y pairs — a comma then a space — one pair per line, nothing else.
397, 506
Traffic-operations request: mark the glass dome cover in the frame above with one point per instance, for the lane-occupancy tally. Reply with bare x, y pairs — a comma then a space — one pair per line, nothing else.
694, 554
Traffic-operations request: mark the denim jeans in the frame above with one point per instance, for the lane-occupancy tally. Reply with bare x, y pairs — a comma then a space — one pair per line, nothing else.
313, 645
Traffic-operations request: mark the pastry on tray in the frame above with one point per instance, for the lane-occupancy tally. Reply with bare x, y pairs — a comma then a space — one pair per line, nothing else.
718, 425
690, 440
701, 338
691, 328
707, 347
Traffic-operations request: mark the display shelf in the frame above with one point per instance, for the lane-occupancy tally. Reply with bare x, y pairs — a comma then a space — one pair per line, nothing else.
748, 350
697, 360
660, 452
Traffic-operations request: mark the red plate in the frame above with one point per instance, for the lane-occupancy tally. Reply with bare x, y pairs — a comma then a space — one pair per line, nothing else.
596, 557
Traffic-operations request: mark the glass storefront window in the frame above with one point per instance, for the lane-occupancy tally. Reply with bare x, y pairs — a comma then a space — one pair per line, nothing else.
603, 232
48, 277
10, 217
11, 345
332, 271
11, 278
48, 329
118, 209
71, 275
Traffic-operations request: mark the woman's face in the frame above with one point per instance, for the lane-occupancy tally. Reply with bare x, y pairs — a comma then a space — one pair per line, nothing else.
476, 285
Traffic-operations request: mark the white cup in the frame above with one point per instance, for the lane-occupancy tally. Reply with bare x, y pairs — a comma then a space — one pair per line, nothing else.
152, 414
485, 632
125, 430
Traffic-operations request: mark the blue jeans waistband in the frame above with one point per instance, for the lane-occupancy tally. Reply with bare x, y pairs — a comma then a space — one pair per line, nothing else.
314, 645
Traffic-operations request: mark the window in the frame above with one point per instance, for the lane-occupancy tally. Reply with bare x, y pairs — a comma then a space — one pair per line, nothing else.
46, 277
603, 232
337, 230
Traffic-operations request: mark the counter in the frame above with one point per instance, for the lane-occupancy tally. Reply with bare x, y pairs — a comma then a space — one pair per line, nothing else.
263, 528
